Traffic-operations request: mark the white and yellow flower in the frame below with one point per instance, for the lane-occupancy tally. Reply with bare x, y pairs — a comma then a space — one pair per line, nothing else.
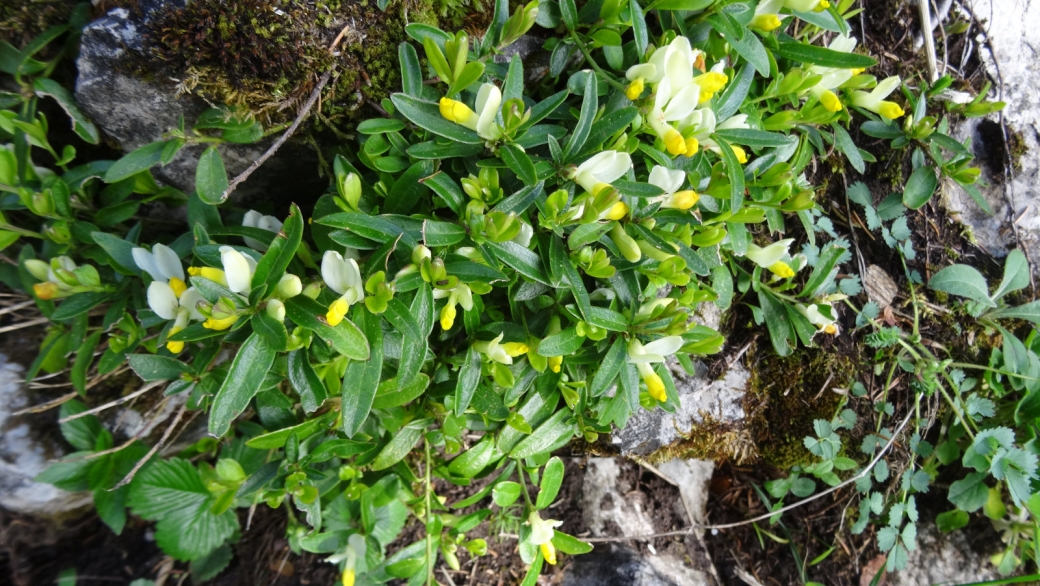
823, 323
656, 351
701, 124
343, 276
767, 16
602, 169
462, 295
875, 99
254, 219
807, 5
771, 257
833, 77
670, 181
168, 295
489, 100
542, 532
501, 353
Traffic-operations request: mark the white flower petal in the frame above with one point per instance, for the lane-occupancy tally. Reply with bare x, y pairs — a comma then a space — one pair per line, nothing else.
670, 180
683, 102
236, 269
489, 98
190, 300
270, 223
162, 300
334, 271
167, 261
885, 87
665, 346
645, 70
251, 219
738, 121
146, 262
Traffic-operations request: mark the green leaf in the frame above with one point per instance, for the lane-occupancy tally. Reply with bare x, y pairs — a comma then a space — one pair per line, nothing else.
305, 381
469, 378
519, 163
449, 190
408, 189
735, 173
639, 29
362, 377
84, 358
589, 105
1016, 274
969, 493
381, 125
570, 545
120, 250
733, 96
152, 368
391, 394
964, 281
469, 74
172, 493
561, 343
427, 115
209, 566
555, 432
82, 432
278, 439
78, 304
822, 270
951, 520
780, 330
272, 330
607, 126
432, 150
552, 479
824, 57
683, 4
400, 444
569, 13
609, 368
80, 123
1029, 312
469, 463
243, 381
272, 265
844, 143
345, 338
414, 350
754, 138
521, 200
523, 260
513, 87
563, 268
747, 45
135, 161
210, 177
506, 493
920, 187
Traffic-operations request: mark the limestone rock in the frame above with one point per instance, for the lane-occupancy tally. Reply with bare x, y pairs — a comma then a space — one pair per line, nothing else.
132, 111
26, 451
1013, 37
945, 559
609, 510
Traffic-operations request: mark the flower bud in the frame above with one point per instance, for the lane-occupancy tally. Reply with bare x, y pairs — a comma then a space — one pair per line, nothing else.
420, 253
46, 290
288, 286
312, 290
38, 269
276, 310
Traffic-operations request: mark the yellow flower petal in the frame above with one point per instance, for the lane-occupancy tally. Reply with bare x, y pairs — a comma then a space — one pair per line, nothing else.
448, 314
740, 153
830, 101
337, 311
555, 363
617, 211
549, 553
348, 577
515, 349
692, 146
765, 22
178, 286
674, 142
655, 386
635, 89
684, 200
781, 269
890, 110
220, 324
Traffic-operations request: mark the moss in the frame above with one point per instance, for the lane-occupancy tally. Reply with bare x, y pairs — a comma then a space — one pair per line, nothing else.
22, 20
786, 394
710, 439
268, 55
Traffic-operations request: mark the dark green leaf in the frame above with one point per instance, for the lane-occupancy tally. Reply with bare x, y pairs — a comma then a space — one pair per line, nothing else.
469, 378
555, 432
552, 479
271, 267
920, 187
152, 368
822, 56
408, 188
134, 162
560, 344
80, 123
609, 368
400, 444
523, 260
211, 179
345, 338
243, 381
306, 381
78, 304
519, 163
735, 173
362, 377
427, 115
589, 105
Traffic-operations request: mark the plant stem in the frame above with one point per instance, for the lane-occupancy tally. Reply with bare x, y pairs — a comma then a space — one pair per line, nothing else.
595, 66
429, 512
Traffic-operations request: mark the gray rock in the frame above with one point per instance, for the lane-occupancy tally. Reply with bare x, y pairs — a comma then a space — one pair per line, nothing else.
692, 477
945, 559
26, 451
722, 399
609, 510
1014, 38
620, 565
133, 112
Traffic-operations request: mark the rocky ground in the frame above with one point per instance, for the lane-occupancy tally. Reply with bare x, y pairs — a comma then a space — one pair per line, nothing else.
648, 479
